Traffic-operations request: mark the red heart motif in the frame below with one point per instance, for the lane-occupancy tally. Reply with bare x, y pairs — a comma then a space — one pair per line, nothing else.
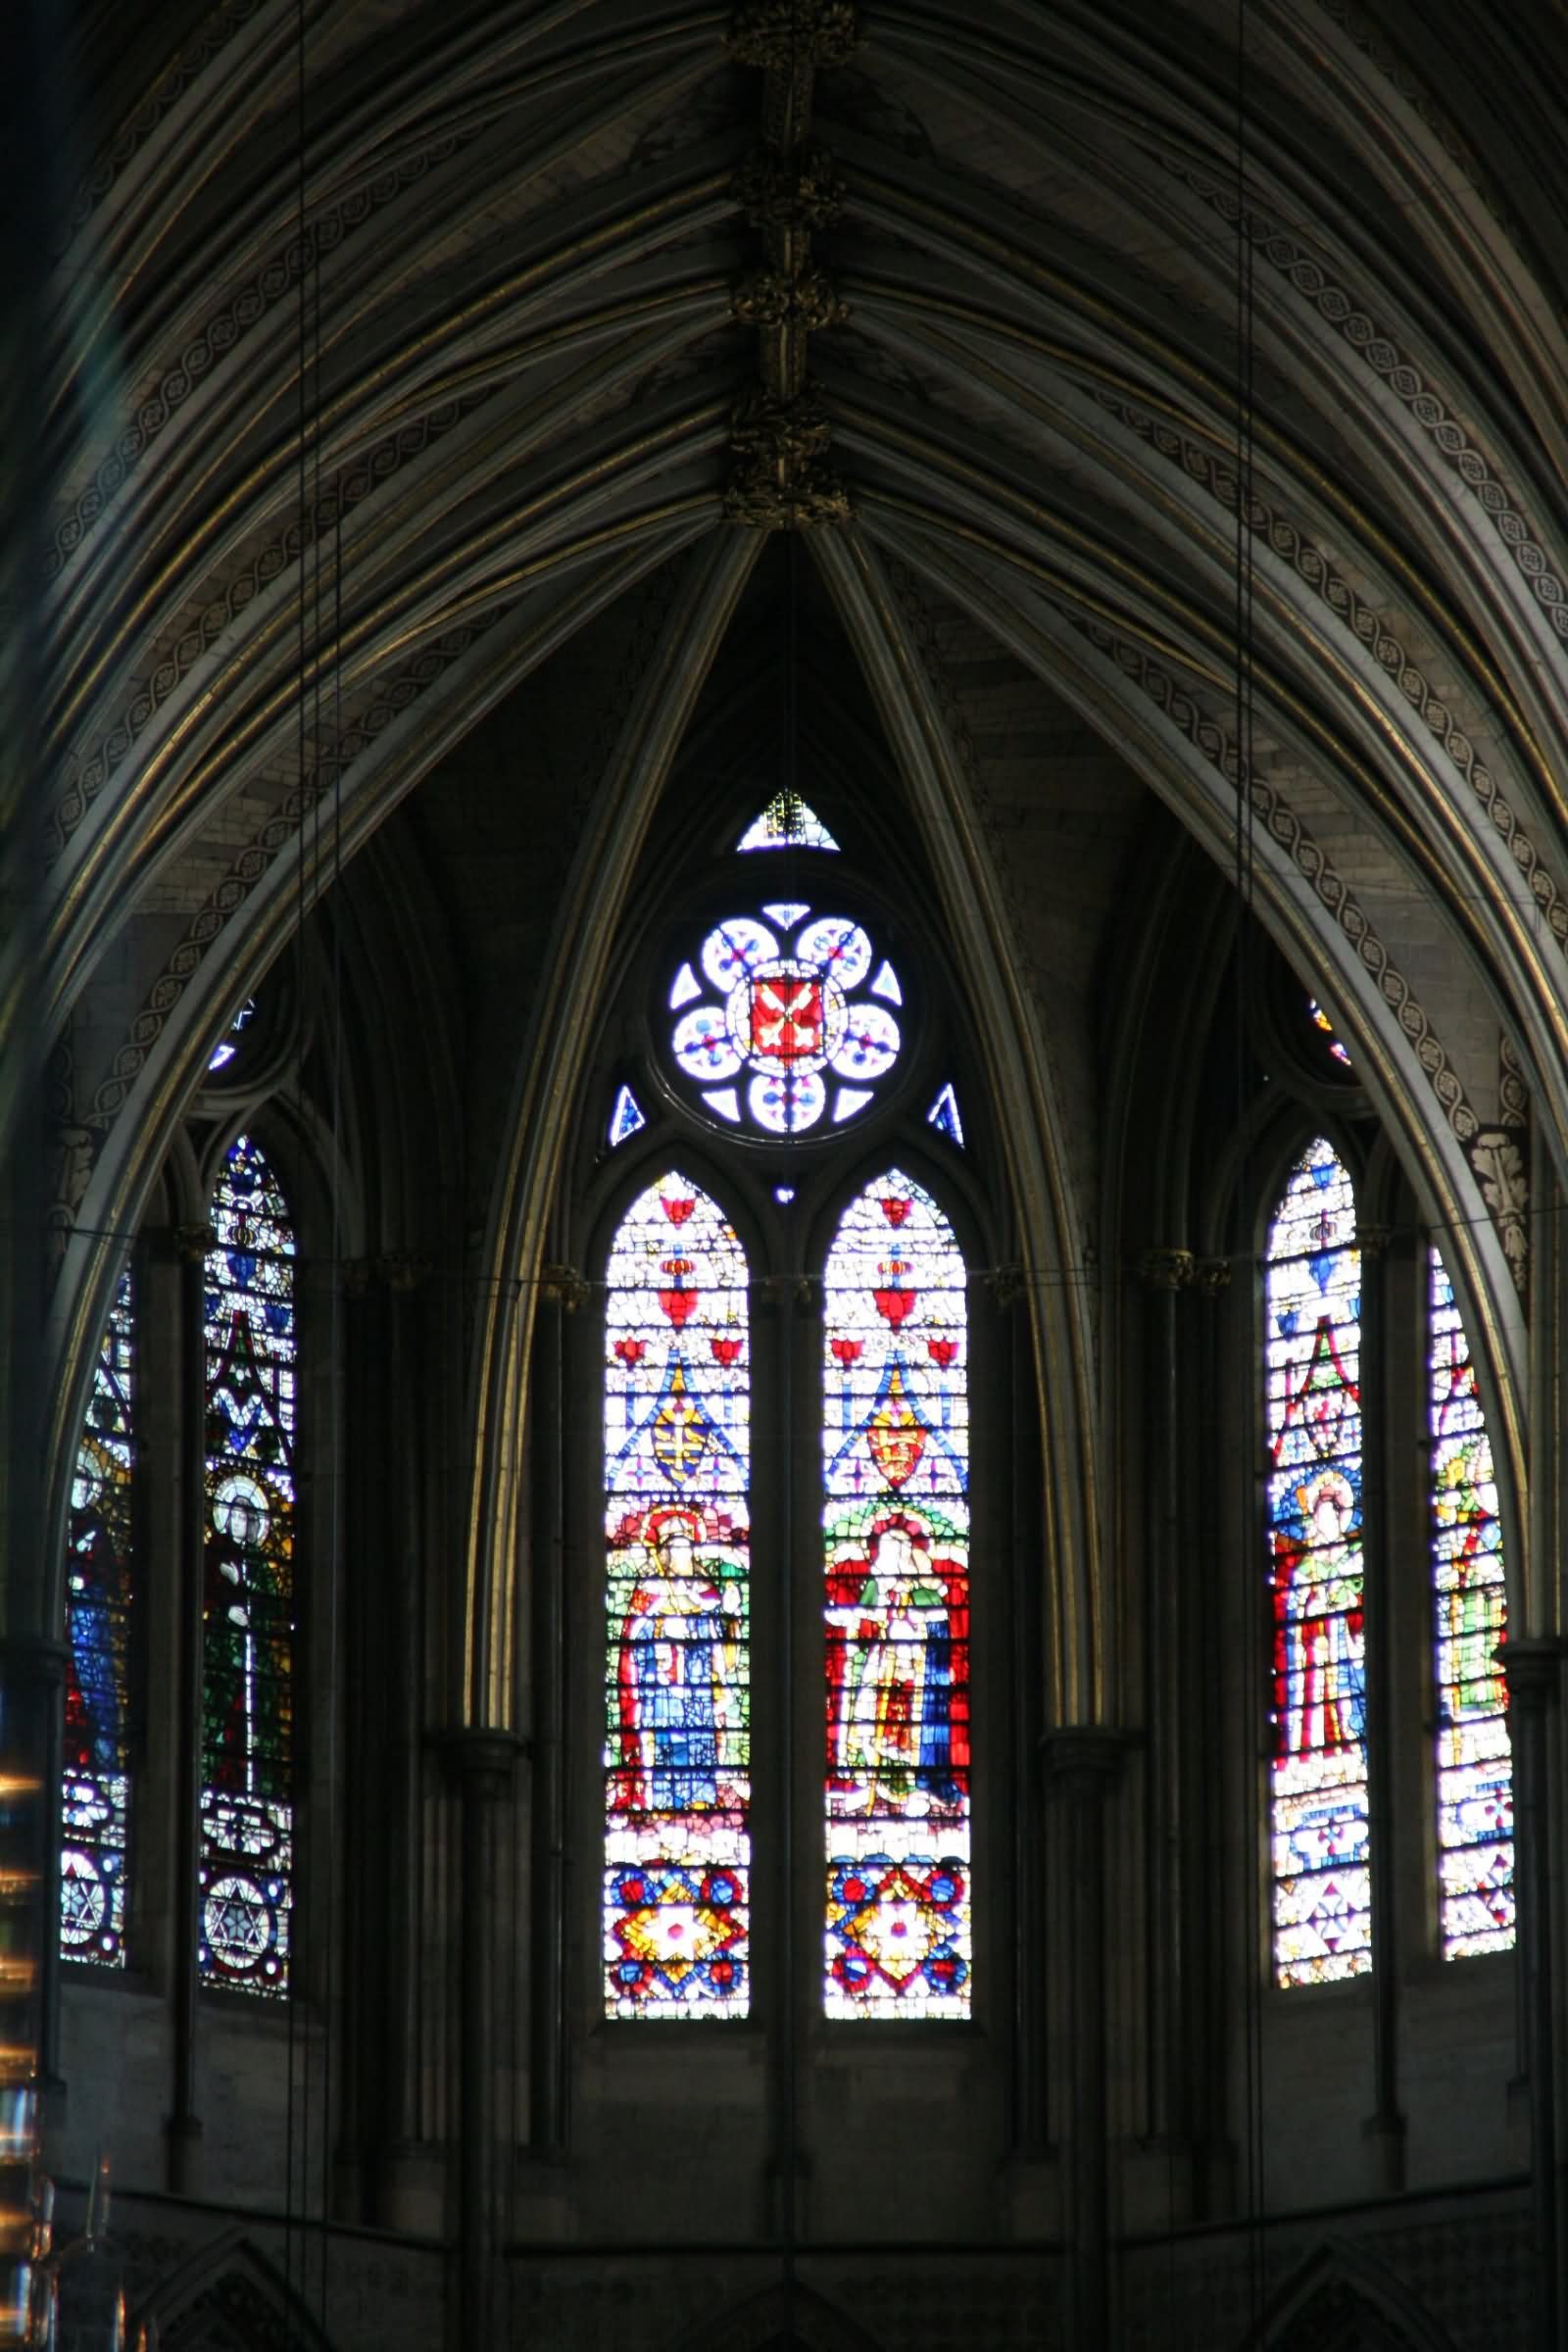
725, 1350
846, 1351
677, 1301
630, 1352
677, 1211
892, 1304
941, 1352
893, 1209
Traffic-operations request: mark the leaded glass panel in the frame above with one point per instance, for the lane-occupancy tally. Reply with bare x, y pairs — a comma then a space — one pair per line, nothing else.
1474, 1760
677, 1684
1318, 1776
247, 1842
95, 1788
895, 1524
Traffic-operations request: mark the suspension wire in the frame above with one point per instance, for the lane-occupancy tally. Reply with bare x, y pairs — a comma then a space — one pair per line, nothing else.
1254, 1621
292, 2252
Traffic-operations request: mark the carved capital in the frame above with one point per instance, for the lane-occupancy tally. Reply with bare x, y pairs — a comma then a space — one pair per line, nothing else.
1006, 1284
1165, 1269
353, 1273
1082, 1760
192, 1242
786, 1290
563, 1286
779, 35
401, 1270
481, 1760
796, 191
1211, 1274
1374, 1241
1533, 1672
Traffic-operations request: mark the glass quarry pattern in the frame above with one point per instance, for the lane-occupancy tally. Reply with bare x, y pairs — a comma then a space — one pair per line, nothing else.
800, 1011
95, 1785
677, 1686
786, 823
896, 1520
1322, 1917
1475, 1771
248, 1582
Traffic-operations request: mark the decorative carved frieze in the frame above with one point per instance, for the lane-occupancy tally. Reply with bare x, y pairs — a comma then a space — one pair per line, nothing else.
796, 191
804, 298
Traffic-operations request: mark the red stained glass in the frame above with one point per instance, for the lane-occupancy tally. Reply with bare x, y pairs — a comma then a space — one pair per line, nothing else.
897, 1611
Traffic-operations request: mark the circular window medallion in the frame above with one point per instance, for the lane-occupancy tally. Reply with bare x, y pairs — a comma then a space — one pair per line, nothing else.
786, 1022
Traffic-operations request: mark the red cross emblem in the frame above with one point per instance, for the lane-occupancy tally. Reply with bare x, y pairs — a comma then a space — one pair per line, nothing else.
787, 1018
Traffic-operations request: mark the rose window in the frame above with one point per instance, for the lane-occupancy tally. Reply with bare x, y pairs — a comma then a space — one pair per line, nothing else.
786, 1022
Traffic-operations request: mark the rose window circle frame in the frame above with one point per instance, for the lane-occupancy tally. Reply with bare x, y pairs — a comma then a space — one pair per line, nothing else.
700, 1011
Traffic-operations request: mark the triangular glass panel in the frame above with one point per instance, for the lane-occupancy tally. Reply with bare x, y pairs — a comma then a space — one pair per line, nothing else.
943, 1116
786, 912
225, 1050
787, 823
848, 1100
683, 988
726, 1100
886, 984
626, 1117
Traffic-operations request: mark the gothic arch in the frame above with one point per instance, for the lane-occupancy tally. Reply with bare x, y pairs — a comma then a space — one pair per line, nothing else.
1343, 2299
226, 2297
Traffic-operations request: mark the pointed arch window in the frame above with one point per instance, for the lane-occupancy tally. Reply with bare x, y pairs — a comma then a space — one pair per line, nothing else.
247, 1738
1318, 1802
1474, 1760
895, 1528
100, 1568
677, 1738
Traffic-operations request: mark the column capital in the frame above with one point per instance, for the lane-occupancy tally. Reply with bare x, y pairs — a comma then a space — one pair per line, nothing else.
1083, 1759
480, 1759
1164, 1268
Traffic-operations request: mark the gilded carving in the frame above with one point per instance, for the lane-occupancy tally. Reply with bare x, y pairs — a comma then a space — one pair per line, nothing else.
782, 36
756, 498
802, 190
1165, 1269
807, 298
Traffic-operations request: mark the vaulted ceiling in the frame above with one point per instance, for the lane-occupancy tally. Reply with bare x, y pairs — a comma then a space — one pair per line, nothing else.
398, 354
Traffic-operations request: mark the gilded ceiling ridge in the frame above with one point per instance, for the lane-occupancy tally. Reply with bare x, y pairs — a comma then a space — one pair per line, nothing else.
788, 188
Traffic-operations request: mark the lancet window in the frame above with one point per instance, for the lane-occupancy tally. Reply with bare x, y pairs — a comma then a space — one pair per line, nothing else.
100, 1571
247, 1732
1312, 1405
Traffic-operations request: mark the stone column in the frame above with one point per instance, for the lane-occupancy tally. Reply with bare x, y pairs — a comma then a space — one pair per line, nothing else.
1081, 1765
481, 1761
1534, 1671
1164, 1273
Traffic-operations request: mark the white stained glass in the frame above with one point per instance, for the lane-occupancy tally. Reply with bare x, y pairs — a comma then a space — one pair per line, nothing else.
731, 949
839, 946
683, 988
787, 1105
886, 984
943, 1116
871, 1044
725, 1101
847, 1102
786, 912
787, 823
626, 1117
702, 1045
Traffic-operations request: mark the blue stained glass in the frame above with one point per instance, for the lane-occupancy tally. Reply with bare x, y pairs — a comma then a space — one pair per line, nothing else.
1473, 1754
626, 1117
95, 1790
677, 1754
247, 1848
787, 823
1321, 1881
896, 1525
943, 1115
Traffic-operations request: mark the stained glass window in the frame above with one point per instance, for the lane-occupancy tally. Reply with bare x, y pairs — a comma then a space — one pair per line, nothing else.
896, 1522
1321, 1901
95, 1792
943, 1115
677, 1693
626, 1118
1474, 1764
1320, 1020
248, 1584
786, 1022
227, 1046
787, 823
